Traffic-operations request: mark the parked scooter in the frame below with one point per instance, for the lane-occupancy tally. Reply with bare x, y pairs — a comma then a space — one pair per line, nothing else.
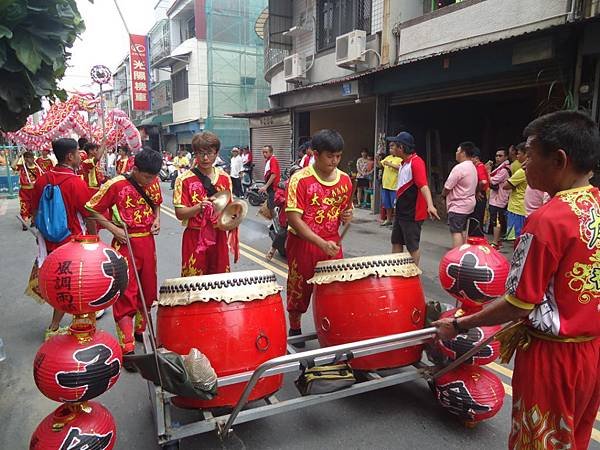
254, 197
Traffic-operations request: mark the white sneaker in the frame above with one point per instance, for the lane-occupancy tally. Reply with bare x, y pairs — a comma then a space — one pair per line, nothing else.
99, 314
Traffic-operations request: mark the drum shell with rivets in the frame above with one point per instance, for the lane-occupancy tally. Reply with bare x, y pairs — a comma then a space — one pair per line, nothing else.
368, 297
237, 320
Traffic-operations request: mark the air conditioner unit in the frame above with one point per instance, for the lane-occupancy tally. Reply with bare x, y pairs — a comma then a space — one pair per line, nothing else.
294, 68
350, 48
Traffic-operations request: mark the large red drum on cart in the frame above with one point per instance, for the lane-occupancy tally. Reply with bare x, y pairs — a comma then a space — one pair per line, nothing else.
236, 319
367, 297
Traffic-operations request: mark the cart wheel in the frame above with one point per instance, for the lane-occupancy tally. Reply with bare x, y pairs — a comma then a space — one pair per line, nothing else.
171, 446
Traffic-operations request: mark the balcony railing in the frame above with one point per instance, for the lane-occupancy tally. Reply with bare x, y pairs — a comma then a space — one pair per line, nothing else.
160, 41
275, 50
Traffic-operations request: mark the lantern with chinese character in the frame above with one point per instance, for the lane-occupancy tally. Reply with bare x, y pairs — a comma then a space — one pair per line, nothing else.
78, 366
474, 273
461, 344
83, 425
83, 276
470, 392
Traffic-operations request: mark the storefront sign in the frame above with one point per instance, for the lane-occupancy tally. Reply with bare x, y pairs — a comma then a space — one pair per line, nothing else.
140, 79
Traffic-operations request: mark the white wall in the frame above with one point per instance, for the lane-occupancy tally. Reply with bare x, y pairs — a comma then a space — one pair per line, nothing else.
196, 105
480, 23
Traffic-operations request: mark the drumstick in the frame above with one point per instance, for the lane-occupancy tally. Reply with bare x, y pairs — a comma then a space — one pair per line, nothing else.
344, 231
347, 225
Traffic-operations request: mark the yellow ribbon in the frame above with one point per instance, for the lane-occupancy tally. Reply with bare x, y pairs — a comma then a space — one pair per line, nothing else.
519, 335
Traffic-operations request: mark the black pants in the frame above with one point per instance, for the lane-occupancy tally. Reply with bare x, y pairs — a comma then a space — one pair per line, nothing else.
237, 187
478, 214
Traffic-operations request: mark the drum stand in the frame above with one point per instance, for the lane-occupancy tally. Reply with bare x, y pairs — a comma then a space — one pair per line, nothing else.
169, 432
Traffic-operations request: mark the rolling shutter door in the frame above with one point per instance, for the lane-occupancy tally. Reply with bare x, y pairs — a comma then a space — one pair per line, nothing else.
280, 138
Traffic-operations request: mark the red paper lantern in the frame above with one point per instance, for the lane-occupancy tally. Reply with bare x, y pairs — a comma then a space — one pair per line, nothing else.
77, 366
474, 273
462, 343
87, 425
470, 392
83, 276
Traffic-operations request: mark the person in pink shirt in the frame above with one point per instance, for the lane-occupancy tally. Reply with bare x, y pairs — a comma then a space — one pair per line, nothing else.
459, 190
534, 198
499, 196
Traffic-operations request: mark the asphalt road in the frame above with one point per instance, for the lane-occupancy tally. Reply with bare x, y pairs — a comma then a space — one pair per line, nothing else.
403, 416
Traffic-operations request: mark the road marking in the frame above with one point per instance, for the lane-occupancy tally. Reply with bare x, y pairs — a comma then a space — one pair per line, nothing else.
494, 366
264, 264
242, 252
281, 264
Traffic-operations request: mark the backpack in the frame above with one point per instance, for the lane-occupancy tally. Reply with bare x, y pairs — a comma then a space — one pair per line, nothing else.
51, 217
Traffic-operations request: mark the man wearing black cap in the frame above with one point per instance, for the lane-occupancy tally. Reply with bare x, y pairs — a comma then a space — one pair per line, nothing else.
413, 197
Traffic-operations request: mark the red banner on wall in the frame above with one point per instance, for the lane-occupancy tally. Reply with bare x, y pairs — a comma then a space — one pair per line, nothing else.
140, 77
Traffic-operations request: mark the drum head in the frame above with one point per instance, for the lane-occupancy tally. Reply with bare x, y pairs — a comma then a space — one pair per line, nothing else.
223, 287
349, 269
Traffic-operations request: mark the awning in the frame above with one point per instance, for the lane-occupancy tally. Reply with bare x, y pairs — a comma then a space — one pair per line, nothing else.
253, 114
157, 120
172, 59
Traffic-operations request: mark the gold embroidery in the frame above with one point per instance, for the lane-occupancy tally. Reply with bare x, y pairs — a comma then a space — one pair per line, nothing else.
585, 278
536, 430
294, 285
585, 206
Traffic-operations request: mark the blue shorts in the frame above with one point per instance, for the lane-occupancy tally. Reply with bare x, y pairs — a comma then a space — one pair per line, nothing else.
514, 225
388, 198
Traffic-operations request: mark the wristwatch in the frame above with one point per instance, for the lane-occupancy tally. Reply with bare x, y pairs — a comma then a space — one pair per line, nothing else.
458, 329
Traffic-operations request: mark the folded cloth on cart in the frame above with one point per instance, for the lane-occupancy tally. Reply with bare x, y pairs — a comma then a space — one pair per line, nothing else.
325, 379
190, 376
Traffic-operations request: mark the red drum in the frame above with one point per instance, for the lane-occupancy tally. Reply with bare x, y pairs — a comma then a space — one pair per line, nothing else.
367, 297
236, 319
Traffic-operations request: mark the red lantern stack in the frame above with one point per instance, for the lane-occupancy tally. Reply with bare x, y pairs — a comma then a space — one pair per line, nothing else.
470, 392
80, 278
474, 273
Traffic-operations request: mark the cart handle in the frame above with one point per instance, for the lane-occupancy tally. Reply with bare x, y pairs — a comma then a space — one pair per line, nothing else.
335, 351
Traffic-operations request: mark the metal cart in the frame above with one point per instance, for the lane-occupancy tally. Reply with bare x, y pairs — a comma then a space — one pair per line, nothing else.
169, 433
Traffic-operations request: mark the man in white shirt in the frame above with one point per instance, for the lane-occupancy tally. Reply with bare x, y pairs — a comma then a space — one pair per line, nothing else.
235, 172
111, 161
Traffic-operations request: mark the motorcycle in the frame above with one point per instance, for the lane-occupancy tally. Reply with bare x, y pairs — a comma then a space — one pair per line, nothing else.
166, 170
277, 233
254, 197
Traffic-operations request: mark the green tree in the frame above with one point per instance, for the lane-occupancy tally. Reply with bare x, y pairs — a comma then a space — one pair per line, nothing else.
35, 36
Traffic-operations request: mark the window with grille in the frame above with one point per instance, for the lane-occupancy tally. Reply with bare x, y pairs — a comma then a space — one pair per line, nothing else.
337, 17
179, 82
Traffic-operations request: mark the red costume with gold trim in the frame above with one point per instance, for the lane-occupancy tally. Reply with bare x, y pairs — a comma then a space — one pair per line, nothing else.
556, 274
46, 164
27, 177
124, 165
131, 208
321, 204
92, 174
198, 255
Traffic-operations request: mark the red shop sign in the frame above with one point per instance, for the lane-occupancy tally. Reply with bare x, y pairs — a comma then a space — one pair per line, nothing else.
140, 79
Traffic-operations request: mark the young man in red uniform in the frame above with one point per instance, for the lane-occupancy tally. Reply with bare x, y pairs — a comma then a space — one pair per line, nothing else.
272, 176
44, 162
483, 186
29, 172
554, 287
137, 199
122, 164
75, 195
318, 201
90, 168
204, 249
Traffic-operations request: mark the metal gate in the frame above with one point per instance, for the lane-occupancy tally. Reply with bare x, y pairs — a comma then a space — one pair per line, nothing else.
280, 138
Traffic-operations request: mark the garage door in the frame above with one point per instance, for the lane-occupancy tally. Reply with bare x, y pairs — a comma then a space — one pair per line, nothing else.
280, 138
